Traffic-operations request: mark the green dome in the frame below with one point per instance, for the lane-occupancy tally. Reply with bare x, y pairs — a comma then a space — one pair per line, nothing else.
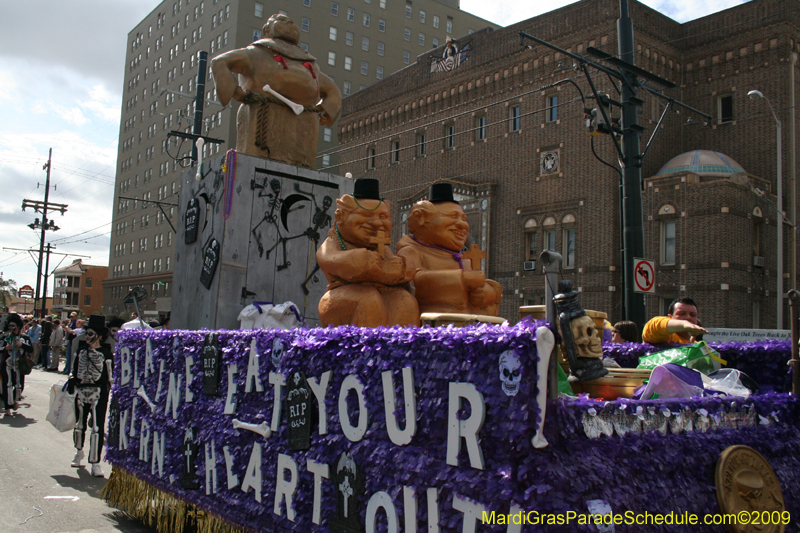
703, 163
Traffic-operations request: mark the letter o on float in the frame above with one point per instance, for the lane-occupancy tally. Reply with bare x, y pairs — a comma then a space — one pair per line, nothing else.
353, 433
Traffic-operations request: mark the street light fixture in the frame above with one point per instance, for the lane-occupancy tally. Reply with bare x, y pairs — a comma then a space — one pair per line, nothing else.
757, 95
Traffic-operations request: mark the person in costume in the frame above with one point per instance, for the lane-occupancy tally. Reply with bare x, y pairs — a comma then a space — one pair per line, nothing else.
681, 325
266, 124
14, 345
366, 281
445, 282
91, 379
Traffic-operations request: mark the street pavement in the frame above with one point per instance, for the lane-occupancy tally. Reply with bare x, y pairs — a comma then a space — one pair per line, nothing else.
39, 491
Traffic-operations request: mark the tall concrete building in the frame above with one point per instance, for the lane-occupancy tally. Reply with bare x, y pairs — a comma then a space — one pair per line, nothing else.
507, 127
356, 42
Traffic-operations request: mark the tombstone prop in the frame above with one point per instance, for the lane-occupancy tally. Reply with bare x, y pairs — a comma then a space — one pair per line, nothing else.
113, 422
582, 342
348, 480
301, 408
210, 261
189, 449
212, 359
190, 220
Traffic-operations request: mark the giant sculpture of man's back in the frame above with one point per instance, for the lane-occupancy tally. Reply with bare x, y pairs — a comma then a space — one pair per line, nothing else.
285, 96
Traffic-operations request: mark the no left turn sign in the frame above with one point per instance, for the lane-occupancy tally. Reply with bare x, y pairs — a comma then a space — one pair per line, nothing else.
644, 276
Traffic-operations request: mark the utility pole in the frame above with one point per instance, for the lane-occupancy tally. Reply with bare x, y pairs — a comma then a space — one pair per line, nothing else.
631, 78
46, 275
43, 207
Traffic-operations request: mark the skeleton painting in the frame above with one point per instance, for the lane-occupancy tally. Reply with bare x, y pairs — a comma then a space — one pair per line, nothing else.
349, 482
510, 372
277, 215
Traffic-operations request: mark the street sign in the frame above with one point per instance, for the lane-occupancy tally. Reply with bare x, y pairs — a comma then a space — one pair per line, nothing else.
644, 275
26, 291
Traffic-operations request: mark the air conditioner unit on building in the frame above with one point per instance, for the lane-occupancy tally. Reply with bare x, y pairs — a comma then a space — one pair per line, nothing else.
529, 265
758, 261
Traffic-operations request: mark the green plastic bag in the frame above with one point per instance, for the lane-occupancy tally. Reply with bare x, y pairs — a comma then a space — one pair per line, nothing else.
563, 385
700, 357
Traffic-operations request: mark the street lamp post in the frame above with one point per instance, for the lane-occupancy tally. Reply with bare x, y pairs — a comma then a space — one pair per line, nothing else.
756, 95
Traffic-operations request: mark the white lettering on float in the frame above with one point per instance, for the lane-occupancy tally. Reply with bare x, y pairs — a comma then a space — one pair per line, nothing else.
277, 381
320, 390
233, 481
230, 402
398, 437
321, 471
253, 372
252, 479
189, 379
380, 500
285, 489
211, 468
353, 433
173, 396
124, 366
472, 512
465, 429
159, 443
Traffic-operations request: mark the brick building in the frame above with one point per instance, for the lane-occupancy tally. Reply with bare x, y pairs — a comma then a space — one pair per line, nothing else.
507, 128
78, 287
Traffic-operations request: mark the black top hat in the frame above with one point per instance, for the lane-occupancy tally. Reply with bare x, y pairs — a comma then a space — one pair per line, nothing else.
367, 189
97, 323
441, 192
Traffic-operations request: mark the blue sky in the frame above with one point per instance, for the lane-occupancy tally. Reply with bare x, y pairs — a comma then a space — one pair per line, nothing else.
61, 76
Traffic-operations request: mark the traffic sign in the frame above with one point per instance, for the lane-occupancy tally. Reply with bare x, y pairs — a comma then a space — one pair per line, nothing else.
644, 275
26, 291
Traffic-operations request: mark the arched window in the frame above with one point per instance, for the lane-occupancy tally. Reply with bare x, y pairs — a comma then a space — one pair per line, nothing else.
549, 233
568, 241
531, 248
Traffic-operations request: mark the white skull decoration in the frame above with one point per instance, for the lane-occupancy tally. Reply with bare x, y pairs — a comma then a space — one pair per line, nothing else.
277, 352
510, 372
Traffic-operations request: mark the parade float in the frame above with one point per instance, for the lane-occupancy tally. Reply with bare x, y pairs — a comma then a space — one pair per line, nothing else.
378, 421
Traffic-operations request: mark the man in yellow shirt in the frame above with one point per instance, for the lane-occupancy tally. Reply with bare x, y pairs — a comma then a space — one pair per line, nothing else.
679, 326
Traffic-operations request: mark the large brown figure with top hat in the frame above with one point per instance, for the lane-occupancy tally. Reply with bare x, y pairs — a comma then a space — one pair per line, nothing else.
445, 282
285, 95
366, 281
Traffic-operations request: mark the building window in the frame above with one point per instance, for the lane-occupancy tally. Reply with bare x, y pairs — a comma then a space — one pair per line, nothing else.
346, 85
304, 24
724, 109
381, 49
365, 44
259, 10
549, 234
568, 241
435, 42
371, 158
513, 117
381, 25
89, 281
334, 9
449, 25
351, 14
449, 136
332, 59
668, 242
332, 34
551, 101
420, 144
408, 11
422, 39
406, 56
530, 240
379, 72
366, 19
422, 17
326, 160
364, 68
326, 134
756, 314
436, 22
307, 3
348, 38
87, 300
407, 34
383, 4
480, 128
348, 63
395, 151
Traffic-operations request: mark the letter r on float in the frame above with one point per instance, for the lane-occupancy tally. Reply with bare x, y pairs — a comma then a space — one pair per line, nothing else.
465, 429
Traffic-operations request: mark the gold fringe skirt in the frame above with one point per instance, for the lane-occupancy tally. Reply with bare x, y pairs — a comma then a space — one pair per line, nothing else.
158, 509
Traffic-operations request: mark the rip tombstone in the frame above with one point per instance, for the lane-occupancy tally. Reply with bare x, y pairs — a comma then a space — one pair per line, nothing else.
301, 408
212, 358
348, 479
